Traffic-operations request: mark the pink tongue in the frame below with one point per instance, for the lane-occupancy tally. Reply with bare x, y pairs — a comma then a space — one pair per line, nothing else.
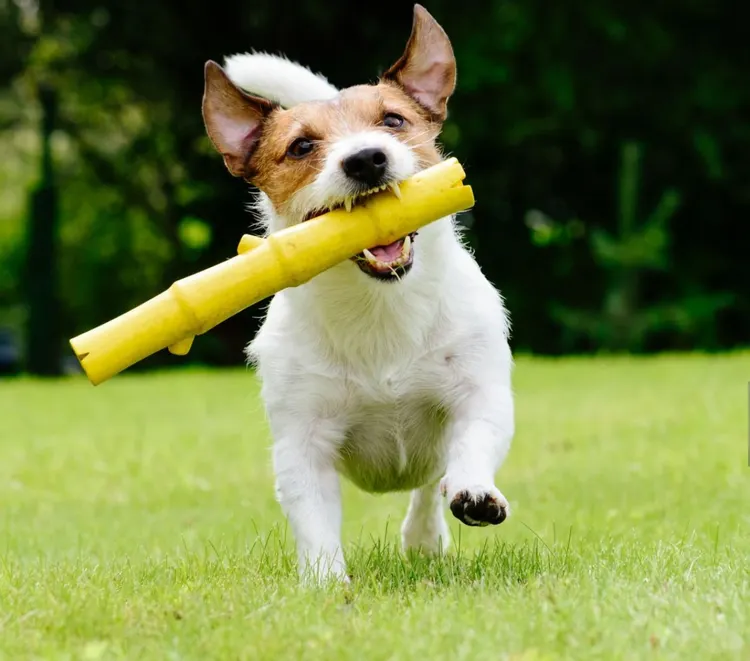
388, 253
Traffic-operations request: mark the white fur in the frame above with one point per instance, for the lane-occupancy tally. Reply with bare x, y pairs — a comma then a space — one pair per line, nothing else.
397, 386
278, 79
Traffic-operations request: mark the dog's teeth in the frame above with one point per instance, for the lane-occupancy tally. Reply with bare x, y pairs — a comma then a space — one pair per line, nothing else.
348, 203
395, 189
369, 256
406, 248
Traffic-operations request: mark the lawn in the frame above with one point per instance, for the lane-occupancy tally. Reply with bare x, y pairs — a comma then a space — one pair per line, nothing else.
138, 521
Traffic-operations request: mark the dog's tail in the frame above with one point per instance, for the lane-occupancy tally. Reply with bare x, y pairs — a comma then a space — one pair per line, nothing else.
278, 79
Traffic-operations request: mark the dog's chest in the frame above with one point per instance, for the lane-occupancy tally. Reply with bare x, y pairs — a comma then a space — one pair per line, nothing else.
395, 446
397, 422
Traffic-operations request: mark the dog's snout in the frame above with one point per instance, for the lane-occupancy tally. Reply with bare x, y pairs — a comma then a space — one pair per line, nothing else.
367, 166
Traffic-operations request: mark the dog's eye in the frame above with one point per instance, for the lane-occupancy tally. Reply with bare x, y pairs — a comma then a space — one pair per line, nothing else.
393, 121
300, 148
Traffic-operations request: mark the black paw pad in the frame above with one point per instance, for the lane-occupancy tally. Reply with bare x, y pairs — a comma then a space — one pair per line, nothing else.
484, 510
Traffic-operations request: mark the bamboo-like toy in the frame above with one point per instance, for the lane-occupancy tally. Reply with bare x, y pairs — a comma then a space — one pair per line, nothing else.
265, 266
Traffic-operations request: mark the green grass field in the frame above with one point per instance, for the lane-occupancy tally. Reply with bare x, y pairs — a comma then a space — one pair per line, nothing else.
138, 521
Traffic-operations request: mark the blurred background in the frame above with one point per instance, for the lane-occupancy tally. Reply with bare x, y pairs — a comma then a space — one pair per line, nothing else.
608, 144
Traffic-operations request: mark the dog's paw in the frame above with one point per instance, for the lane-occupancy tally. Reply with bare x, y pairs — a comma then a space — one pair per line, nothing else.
324, 570
316, 578
479, 506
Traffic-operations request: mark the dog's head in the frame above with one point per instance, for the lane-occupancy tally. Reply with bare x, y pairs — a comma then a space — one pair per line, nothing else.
320, 155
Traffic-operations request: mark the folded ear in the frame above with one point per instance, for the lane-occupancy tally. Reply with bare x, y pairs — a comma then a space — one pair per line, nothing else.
427, 69
233, 119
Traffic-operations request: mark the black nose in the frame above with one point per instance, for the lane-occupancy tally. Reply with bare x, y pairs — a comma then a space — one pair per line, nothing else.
367, 166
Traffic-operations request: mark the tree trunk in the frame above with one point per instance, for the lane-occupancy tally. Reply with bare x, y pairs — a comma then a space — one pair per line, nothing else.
43, 338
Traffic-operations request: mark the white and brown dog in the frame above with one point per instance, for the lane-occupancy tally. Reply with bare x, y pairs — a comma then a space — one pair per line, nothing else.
393, 368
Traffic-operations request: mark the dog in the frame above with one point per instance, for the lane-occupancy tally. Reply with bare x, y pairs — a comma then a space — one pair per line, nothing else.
392, 369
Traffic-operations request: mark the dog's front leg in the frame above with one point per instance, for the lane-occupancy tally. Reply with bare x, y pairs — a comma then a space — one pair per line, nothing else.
483, 426
307, 487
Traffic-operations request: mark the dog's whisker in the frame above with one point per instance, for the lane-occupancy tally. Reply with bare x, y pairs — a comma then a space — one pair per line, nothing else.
411, 139
425, 143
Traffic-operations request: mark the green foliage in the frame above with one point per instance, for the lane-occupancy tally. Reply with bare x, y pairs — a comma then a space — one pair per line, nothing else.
546, 98
624, 322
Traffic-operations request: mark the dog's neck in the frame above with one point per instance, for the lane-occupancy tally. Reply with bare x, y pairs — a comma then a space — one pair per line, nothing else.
362, 317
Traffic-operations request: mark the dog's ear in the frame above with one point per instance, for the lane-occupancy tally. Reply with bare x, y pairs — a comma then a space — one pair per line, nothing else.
233, 119
427, 69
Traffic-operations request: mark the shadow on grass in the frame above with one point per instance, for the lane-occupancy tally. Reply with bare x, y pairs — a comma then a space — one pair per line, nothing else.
384, 567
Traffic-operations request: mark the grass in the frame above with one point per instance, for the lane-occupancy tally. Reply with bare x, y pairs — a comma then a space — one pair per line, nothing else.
138, 521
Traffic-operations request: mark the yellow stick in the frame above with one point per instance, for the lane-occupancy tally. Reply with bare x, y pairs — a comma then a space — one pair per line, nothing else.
263, 267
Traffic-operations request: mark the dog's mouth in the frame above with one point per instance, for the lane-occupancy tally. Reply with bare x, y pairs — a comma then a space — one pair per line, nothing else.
388, 263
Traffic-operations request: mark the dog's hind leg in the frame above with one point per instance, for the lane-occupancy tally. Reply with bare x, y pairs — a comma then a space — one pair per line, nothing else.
424, 528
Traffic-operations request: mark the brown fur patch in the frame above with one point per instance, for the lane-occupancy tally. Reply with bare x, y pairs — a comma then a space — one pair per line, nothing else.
359, 108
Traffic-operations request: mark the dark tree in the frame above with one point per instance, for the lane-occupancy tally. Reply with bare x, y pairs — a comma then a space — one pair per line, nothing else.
43, 326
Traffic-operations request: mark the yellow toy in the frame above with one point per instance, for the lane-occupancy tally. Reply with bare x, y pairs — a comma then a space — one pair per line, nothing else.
263, 267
